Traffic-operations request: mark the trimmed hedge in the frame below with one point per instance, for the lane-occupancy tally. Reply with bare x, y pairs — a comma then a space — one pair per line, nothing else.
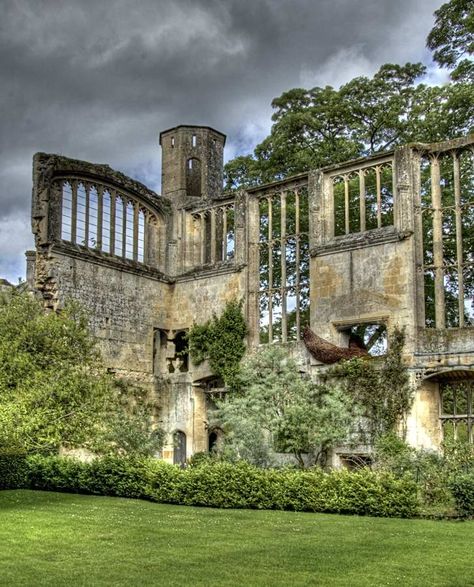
14, 469
226, 485
462, 488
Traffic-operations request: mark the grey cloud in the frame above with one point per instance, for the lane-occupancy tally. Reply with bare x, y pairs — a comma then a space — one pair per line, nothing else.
99, 80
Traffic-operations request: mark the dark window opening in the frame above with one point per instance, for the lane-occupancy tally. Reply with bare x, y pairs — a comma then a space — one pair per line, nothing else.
193, 178
182, 353
215, 437
160, 341
179, 445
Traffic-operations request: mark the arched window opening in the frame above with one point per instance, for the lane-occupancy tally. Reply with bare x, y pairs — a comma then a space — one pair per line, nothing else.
106, 222
66, 219
93, 217
119, 215
129, 231
193, 178
82, 206
215, 438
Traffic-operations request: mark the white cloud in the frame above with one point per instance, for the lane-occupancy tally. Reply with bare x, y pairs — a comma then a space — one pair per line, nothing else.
344, 65
15, 239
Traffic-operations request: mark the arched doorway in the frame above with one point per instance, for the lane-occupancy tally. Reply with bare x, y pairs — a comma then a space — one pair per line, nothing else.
215, 436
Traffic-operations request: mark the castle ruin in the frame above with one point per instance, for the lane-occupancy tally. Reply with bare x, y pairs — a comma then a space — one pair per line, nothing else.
376, 243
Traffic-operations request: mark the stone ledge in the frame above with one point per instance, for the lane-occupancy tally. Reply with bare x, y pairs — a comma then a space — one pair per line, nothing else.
210, 271
106, 260
360, 240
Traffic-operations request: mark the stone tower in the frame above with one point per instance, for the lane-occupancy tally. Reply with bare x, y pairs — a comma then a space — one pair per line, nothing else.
192, 163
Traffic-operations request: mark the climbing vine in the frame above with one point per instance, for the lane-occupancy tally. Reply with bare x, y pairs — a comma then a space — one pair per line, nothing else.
380, 386
221, 342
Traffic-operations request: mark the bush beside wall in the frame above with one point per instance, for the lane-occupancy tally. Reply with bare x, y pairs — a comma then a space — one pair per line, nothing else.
226, 485
462, 488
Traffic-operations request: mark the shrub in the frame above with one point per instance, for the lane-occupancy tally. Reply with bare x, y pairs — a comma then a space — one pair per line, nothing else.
13, 469
111, 475
229, 485
462, 488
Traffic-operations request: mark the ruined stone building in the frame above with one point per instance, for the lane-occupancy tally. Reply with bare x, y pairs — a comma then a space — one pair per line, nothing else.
383, 241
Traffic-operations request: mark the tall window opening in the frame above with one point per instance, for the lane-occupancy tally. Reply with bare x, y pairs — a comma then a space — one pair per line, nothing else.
284, 265
66, 219
447, 204
193, 178
363, 199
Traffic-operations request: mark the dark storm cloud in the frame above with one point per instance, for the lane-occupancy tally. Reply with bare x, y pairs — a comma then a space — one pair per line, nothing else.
98, 80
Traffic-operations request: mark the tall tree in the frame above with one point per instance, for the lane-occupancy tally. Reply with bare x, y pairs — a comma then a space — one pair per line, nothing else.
54, 390
322, 126
452, 38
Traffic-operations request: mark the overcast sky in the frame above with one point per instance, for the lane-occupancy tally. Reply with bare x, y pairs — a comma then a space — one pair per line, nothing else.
98, 79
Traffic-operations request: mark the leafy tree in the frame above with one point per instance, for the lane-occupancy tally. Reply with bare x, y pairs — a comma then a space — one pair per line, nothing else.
279, 409
452, 38
324, 126
54, 390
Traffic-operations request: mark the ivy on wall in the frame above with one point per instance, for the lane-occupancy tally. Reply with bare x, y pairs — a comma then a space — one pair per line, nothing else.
221, 342
380, 386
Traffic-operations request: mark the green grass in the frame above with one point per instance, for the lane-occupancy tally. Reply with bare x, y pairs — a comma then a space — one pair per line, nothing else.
59, 539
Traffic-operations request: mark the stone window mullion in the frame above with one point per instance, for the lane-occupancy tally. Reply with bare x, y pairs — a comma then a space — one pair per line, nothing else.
440, 318
283, 266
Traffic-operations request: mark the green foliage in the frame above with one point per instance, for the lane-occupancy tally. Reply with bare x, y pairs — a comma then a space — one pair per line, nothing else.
462, 488
428, 468
324, 126
109, 475
227, 485
452, 37
13, 469
278, 409
221, 341
445, 480
380, 387
54, 390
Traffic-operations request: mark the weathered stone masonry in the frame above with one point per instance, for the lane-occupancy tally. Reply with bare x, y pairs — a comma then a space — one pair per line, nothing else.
380, 241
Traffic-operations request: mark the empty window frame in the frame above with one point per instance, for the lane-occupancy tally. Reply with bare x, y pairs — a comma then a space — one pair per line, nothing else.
371, 337
216, 230
283, 265
98, 219
447, 213
363, 199
193, 178
457, 410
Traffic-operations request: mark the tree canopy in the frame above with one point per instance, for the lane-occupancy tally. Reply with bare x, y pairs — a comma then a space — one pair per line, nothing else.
452, 38
54, 390
322, 126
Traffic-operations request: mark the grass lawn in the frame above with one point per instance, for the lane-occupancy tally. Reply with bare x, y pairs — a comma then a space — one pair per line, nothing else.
61, 539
